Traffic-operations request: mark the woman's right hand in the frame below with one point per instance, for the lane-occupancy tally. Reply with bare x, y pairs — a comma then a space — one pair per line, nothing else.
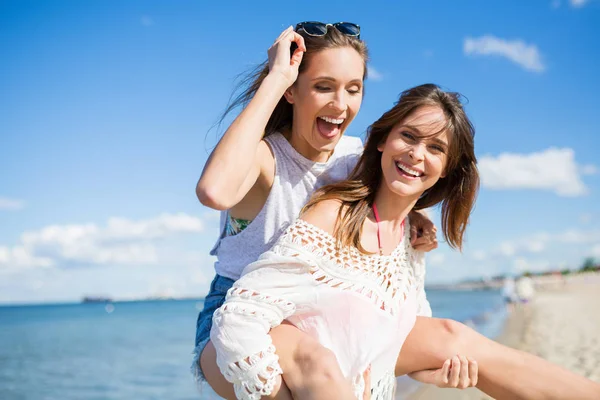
459, 372
281, 63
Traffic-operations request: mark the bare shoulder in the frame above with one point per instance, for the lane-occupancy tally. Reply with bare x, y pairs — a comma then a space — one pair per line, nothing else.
323, 215
266, 158
265, 174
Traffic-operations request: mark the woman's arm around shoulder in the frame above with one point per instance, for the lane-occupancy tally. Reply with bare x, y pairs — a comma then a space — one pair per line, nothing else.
423, 233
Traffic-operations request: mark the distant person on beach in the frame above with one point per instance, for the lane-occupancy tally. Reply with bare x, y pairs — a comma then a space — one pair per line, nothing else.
509, 293
266, 166
525, 289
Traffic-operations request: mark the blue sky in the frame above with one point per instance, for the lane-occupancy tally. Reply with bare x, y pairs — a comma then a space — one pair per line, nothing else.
106, 110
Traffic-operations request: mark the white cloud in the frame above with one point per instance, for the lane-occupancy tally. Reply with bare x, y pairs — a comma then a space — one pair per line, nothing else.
534, 252
588, 169
536, 246
117, 229
536, 243
586, 218
146, 20
577, 236
374, 74
552, 169
572, 3
521, 265
22, 257
120, 242
121, 228
517, 51
507, 249
436, 258
10, 204
479, 255
578, 3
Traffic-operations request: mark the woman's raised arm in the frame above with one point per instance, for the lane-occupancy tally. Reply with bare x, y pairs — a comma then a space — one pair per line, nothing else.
241, 156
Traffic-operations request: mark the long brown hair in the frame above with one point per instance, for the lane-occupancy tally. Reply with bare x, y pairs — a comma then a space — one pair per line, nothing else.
456, 191
282, 117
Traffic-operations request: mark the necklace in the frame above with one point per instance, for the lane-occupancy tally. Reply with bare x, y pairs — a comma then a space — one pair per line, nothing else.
378, 230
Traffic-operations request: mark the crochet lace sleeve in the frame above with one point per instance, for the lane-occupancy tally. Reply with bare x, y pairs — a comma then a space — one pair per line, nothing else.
418, 263
260, 300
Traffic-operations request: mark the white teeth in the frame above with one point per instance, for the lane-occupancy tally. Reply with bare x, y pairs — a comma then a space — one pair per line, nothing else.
336, 121
408, 170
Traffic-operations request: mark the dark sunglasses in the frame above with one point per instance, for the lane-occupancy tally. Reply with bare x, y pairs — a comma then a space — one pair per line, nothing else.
313, 28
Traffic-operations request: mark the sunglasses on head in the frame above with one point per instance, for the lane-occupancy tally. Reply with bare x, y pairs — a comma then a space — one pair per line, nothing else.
313, 28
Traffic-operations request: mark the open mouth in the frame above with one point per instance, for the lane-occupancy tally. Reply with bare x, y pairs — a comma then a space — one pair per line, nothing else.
407, 171
329, 127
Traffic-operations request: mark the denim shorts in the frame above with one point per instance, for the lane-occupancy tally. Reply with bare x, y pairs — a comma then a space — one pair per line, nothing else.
213, 300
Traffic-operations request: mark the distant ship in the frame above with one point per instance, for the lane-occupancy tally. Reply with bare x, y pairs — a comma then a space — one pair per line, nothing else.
96, 299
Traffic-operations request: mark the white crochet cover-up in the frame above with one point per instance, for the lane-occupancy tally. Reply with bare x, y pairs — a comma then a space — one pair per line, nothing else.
359, 306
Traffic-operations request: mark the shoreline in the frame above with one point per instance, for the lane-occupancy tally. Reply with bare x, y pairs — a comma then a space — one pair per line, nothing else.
559, 325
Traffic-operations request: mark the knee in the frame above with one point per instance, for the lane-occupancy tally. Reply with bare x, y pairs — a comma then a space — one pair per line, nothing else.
457, 334
451, 327
208, 365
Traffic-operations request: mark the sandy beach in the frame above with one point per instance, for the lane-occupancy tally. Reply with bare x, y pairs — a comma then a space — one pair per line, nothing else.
561, 325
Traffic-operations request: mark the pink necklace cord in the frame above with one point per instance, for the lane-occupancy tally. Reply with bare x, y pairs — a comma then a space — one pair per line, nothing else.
379, 231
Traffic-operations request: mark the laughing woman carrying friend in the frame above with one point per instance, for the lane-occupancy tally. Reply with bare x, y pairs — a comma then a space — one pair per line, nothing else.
287, 142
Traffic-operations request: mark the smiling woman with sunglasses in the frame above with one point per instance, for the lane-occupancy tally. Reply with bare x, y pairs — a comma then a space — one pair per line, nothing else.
265, 167
297, 108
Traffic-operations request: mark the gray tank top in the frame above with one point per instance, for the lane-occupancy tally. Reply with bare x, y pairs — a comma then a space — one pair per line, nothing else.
295, 180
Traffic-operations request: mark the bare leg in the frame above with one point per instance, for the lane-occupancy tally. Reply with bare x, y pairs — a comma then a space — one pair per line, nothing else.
310, 371
208, 362
504, 372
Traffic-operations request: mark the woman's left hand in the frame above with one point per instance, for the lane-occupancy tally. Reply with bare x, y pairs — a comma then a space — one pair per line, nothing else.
459, 372
423, 233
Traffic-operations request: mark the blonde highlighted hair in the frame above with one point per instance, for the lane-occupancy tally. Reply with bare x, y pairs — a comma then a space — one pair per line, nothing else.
282, 117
